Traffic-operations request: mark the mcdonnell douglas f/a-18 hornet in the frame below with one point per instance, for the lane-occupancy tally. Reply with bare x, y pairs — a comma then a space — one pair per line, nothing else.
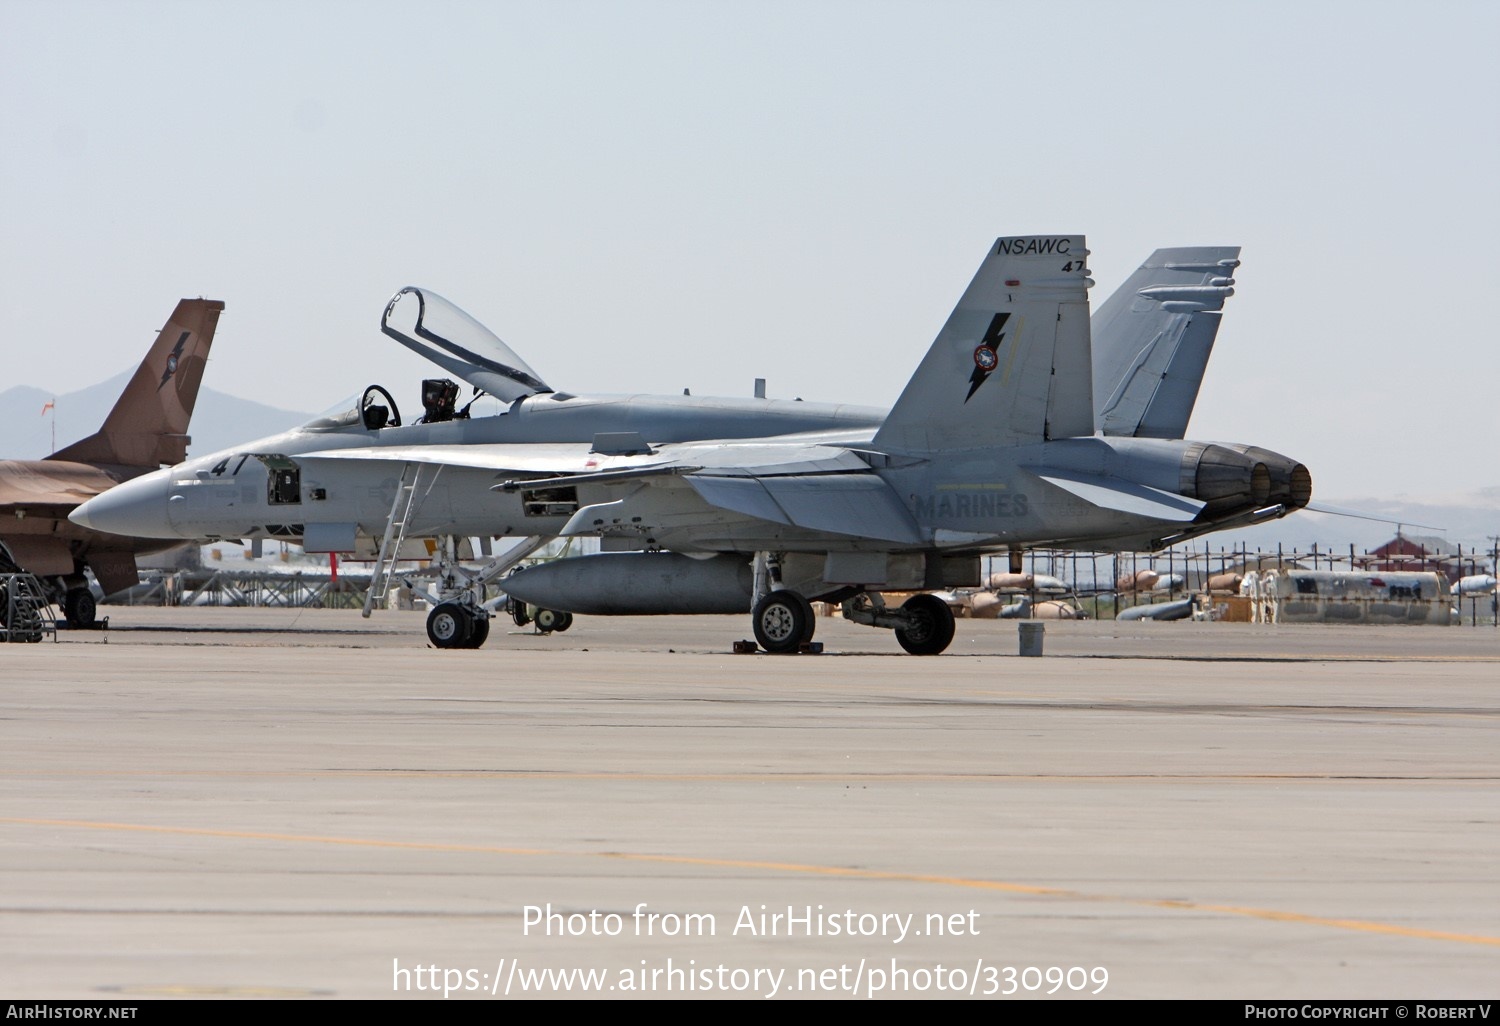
712, 506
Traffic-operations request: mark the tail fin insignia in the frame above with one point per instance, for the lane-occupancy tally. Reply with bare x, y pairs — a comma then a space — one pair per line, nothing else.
148, 425
984, 365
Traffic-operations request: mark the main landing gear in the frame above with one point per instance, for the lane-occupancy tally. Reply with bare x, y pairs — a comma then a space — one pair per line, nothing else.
80, 608
784, 622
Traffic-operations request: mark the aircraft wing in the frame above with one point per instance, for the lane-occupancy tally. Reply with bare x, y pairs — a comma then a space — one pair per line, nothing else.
573, 459
801, 483
536, 458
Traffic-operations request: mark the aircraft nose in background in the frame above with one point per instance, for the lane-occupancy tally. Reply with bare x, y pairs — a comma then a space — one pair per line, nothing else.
136, 508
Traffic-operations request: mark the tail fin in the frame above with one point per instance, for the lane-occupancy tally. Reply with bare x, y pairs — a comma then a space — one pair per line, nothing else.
1153, 337
1012, 363
149, 422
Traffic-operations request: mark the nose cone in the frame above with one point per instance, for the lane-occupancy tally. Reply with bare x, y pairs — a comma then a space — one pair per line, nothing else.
137, 508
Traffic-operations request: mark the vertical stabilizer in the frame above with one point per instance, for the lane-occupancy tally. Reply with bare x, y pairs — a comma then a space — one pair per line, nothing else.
1012, 363
148, 425
1153, 338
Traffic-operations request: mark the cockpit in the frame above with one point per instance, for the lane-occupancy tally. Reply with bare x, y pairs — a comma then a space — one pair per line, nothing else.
435, 329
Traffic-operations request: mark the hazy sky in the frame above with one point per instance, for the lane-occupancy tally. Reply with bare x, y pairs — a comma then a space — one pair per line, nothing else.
647, 196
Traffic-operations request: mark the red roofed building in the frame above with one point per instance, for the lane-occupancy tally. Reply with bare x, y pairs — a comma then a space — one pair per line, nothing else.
1409, 552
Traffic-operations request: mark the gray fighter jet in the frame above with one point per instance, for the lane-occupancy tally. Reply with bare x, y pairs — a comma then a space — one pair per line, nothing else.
992, 447
788, 502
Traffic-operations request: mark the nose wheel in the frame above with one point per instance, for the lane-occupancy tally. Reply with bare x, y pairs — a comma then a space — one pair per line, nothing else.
451, 625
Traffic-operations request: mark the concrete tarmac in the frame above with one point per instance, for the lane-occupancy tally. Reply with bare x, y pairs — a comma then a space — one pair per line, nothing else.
291, 803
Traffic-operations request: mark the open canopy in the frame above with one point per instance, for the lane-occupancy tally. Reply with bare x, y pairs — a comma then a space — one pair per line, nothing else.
432, 327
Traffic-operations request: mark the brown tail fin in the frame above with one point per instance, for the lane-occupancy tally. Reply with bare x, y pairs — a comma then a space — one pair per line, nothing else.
148, 425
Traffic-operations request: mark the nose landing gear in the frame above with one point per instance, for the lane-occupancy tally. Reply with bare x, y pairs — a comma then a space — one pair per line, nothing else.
454, 625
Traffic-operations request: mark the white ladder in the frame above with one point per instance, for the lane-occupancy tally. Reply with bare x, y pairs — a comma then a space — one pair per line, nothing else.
395, 533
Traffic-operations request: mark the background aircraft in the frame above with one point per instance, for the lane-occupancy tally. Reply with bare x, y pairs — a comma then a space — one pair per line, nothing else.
147, 428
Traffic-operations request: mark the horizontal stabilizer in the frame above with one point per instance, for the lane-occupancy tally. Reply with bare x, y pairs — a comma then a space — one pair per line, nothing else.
1121, 496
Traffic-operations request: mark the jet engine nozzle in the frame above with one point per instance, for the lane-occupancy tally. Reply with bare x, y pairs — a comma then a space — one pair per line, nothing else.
1220, 476
1291, 482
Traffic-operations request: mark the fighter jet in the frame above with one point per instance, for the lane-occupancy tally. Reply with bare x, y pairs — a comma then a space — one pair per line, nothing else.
990, 448
146, 428
388, 487
766, 519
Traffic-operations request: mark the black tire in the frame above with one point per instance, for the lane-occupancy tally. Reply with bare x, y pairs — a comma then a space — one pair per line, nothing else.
783, 620
931, 630
519, 614
449, 626
80, 608
479, 632
564, 621
547, 620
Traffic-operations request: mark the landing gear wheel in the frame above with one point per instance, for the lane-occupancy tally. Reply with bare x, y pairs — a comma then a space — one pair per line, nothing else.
519, 614
564, 621
478, 632
931, 627
79, 608
547, 620
449, 626
783, 620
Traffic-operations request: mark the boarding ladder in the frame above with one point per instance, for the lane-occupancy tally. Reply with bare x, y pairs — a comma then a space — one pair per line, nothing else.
402, 505
25, 612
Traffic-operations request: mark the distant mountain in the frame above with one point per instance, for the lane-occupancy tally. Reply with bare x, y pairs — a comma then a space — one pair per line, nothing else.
219, 420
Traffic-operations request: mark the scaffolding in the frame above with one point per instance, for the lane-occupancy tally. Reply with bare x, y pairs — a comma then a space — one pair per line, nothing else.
26, 615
